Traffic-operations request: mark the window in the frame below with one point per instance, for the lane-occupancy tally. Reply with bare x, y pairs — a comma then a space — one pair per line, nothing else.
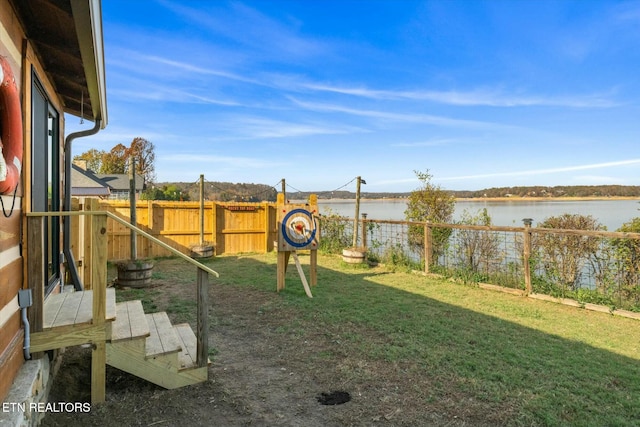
45, 179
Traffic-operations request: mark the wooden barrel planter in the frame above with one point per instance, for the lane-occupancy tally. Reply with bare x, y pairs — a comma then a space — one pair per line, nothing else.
135, 274
201, 251
354, 255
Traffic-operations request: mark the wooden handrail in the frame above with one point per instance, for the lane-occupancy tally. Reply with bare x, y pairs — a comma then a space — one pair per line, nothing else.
134, 228
202, 278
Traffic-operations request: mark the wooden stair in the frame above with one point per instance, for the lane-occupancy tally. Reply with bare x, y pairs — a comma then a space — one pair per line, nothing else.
150, 347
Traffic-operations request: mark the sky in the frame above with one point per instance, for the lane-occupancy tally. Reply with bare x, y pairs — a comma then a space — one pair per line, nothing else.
478, 93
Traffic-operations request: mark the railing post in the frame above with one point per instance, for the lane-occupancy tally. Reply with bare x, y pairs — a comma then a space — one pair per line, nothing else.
99, 287
526, 256
203, 318
428, 247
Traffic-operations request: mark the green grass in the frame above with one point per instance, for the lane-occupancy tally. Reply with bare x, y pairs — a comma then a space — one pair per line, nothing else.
553, 365
146, 296
514, 360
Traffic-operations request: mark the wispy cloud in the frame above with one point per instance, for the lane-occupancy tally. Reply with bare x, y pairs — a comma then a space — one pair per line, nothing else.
480, 97
284, 38
546, 171
430, 143
263, 128
192, 68
396, 117
166, 94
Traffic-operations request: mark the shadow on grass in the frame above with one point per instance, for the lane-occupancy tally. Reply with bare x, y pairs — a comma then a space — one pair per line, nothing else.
448, 358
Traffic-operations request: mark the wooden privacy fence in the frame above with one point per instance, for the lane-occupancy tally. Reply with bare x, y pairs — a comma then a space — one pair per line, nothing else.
230, 227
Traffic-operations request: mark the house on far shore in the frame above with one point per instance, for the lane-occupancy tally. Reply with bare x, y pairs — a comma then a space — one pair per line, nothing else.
86, 183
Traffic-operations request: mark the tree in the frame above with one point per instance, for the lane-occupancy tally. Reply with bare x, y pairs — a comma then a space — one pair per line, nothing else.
115, 161
429, 203
93, 157
144, 152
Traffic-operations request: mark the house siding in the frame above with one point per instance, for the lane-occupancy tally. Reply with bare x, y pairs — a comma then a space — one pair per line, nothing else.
13, 273
11, 262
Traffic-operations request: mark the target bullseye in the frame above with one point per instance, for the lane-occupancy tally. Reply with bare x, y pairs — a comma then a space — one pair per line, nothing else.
299, 228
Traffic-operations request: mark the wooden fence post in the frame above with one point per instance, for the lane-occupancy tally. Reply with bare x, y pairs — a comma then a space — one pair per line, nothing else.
268, 245
203, 318
428, 247
148, 251
214, 228
526, 256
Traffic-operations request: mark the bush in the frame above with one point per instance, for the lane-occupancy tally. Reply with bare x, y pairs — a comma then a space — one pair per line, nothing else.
334, 233
563, 256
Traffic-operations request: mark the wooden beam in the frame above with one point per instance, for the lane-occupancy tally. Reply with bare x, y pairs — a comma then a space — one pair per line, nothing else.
98, 373
525, 259
72, 336
35, 275
99, 286
203, 319
313, 271
428, 248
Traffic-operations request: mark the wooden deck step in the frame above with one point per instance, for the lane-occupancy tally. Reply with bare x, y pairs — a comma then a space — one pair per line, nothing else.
130, 322
188, 357
163, 338
74, 308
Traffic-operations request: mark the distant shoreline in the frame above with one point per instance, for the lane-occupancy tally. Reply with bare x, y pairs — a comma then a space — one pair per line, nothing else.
495, 199
545, 199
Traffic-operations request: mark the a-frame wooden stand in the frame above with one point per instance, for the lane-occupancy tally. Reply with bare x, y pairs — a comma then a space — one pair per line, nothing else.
297, 230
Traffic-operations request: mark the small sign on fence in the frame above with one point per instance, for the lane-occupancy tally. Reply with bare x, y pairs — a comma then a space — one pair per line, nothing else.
241, 208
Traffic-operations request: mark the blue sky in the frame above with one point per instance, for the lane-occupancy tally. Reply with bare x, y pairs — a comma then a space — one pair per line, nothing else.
480, 93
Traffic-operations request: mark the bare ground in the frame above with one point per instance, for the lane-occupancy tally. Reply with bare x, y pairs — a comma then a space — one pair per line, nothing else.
268, 369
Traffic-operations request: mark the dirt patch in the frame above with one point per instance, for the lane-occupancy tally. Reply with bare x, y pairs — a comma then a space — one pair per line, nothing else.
269, 366
259, 376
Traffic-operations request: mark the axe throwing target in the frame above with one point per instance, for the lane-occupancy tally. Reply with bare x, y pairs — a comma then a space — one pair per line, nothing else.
298, 231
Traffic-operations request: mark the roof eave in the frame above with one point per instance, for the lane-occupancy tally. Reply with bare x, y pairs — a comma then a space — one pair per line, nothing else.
87, 15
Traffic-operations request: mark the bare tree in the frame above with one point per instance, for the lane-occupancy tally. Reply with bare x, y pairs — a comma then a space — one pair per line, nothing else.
477, 249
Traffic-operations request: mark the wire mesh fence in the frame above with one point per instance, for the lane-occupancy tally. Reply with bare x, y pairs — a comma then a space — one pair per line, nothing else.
589, 266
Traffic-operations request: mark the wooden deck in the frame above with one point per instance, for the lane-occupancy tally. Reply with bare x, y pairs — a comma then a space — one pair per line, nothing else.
122, 335
68, 321
74, 309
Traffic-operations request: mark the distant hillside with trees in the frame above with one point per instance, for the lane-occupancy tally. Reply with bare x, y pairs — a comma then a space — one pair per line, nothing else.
557, 191
218, 191
249, 192
532, 191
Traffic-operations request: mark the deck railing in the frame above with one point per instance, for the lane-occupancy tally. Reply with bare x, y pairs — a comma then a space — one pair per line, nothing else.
97, 244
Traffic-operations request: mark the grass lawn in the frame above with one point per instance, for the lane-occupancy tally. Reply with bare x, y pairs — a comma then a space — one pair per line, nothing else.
431, 350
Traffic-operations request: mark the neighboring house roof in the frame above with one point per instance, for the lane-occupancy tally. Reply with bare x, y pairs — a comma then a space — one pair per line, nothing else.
120, 182
67, 36
85, 183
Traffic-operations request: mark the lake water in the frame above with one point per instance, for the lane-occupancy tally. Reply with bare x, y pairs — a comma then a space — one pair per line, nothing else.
611, 213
